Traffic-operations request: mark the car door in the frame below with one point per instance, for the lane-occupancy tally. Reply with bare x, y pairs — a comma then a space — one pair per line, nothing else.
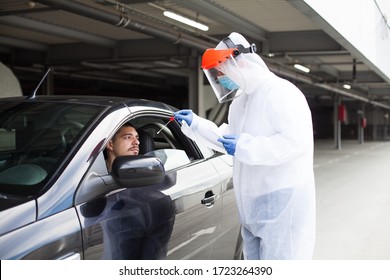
197, 224
153, 222
55, 237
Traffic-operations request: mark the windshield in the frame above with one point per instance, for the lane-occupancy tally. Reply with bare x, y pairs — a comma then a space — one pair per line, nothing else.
35, 138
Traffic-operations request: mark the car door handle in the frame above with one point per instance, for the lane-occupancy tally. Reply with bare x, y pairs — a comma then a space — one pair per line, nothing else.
209, 199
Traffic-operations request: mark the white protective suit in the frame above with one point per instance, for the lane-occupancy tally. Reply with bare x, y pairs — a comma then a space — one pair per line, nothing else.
273, 162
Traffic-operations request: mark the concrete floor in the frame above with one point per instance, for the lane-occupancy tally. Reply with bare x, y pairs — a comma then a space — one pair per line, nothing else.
353, 200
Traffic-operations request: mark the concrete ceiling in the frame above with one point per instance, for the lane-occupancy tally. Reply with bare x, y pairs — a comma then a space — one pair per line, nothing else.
129, 48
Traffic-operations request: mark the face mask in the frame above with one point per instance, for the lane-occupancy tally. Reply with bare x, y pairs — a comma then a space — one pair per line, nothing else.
226, 82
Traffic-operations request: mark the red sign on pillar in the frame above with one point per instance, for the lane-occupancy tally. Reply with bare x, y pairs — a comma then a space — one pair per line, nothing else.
342, 113
363, 122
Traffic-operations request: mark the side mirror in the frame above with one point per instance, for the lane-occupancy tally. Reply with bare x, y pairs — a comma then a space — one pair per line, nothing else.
138, 171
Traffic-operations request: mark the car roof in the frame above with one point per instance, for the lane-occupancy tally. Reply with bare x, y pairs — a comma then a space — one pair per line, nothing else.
105, 101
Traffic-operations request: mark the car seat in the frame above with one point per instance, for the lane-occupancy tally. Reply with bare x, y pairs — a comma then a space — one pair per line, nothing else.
146, 144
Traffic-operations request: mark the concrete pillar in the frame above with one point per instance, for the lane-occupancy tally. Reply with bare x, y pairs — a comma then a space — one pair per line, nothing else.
361, 115
336, 121
49, 85
195, 85
386, 119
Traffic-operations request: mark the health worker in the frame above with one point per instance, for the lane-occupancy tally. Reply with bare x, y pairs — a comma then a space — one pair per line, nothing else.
270, 135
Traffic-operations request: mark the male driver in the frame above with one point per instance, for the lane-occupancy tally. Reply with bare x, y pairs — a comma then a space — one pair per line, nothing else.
124, 142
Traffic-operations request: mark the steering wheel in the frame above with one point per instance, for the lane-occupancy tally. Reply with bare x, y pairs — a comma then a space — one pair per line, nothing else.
70, 131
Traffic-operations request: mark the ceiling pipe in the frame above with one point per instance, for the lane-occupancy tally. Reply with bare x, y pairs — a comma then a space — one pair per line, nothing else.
155, 31
46, 28
23, 44
315, 53
302, 78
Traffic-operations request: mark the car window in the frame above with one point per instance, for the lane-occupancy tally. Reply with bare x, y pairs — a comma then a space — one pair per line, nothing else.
169, 136
168, 143
171, 158
35, 139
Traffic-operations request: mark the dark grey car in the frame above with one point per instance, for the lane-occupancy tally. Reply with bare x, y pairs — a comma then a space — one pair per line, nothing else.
57, 200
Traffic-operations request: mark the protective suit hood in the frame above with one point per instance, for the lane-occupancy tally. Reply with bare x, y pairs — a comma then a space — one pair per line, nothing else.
254, 71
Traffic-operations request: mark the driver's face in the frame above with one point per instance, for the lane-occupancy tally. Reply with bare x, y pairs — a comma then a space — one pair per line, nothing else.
125, 142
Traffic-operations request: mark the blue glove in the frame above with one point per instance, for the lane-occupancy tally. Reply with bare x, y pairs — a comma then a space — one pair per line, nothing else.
229, 142
184, 115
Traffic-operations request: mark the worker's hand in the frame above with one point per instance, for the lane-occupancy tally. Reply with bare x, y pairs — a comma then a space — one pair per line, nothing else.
229, 142
184, 115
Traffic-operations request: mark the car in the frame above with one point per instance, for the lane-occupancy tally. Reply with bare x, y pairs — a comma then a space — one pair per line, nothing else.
175, 200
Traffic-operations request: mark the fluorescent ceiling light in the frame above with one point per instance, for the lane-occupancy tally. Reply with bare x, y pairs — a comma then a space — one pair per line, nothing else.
302, 68
346, 86
185, 20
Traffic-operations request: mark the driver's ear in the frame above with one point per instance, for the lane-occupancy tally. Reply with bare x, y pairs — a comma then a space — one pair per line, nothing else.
109, 145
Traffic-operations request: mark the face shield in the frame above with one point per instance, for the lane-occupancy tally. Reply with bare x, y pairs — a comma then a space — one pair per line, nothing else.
223, 72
